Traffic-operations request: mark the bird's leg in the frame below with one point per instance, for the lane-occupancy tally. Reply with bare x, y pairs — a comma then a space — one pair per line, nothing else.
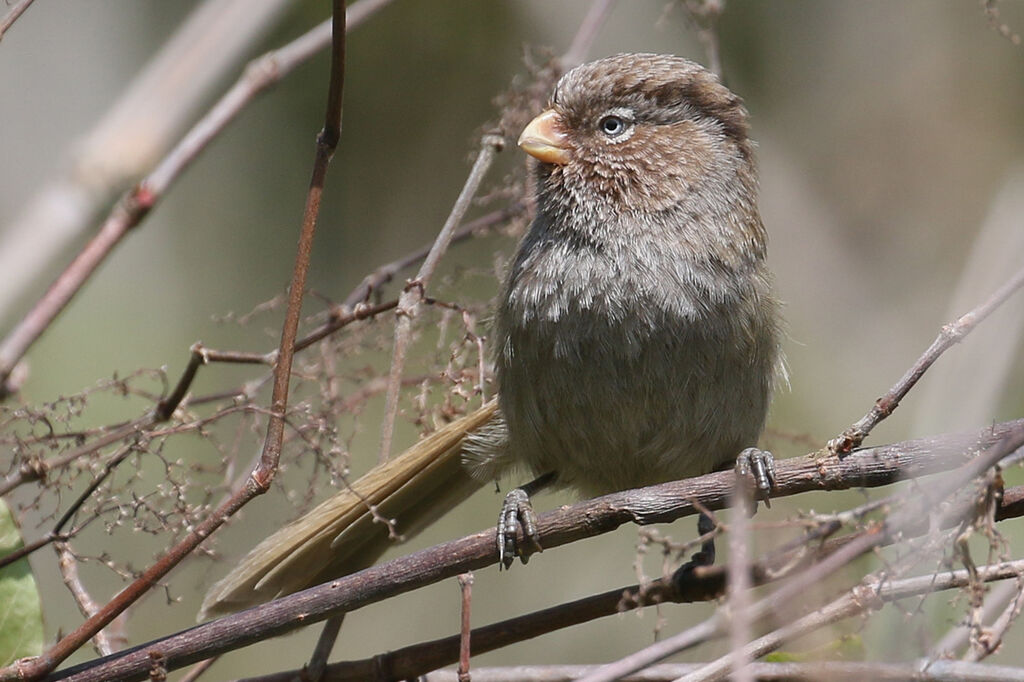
516, 511
705, 557
759, 465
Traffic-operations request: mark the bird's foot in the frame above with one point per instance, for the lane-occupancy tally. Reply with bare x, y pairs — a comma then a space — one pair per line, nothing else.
759, 466
517, 512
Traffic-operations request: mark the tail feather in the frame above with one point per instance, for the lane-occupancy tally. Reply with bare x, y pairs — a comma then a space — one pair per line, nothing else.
343, 534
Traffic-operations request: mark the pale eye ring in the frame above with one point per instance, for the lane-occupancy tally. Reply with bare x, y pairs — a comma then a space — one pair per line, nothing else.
613, 125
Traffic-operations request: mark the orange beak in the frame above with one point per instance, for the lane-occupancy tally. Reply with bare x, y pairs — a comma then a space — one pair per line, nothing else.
544, 139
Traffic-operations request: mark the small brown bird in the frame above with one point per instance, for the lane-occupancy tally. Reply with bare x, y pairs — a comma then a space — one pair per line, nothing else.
636, 338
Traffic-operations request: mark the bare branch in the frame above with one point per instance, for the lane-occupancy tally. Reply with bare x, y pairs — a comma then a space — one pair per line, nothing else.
950, 334
657, 504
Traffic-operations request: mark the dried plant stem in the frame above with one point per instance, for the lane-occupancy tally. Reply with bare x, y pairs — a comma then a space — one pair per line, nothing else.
353, 310
949, 335
413, 294
386, 272
416, 289
705, 15
137, 129
57, 532
958, 636
33, 470
261, 477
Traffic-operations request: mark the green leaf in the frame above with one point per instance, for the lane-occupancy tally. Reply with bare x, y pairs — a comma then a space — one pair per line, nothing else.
21, 614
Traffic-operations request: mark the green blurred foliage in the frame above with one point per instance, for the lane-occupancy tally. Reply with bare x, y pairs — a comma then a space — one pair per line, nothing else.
21, 614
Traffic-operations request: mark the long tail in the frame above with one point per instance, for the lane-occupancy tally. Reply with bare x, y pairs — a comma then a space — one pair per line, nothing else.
344, 534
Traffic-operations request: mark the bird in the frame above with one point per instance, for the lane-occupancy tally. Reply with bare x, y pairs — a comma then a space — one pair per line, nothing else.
637, 334
636, 338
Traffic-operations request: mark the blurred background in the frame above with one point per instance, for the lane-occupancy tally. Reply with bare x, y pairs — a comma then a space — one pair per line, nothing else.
892, 175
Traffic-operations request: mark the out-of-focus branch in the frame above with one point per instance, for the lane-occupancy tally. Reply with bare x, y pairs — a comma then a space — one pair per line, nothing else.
414, 292
592, 23
259, 75
13, 15
704, 14
657, 504
133, 134
813, 671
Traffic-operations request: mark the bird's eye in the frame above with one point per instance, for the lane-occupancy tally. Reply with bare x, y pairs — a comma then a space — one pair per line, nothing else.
612, 126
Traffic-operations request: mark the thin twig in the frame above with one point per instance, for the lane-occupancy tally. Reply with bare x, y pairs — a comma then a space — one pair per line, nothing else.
324, 644
34, 470
198, 670
413, 294
867, 596
466, 628
957, 637
352, 310
385, 273
706, 583
991, 638
949, 335
13, 15
56, 533
68, 566
144, 121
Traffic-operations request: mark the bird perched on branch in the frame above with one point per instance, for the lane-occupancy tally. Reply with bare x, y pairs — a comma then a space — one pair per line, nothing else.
636, 339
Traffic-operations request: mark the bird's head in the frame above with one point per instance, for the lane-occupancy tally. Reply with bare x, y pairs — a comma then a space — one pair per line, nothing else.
641, 133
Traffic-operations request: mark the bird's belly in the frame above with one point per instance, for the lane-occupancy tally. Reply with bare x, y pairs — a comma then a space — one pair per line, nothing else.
612, 406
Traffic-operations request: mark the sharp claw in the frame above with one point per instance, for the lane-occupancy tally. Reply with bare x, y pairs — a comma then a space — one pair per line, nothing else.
516, 513
760, 465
